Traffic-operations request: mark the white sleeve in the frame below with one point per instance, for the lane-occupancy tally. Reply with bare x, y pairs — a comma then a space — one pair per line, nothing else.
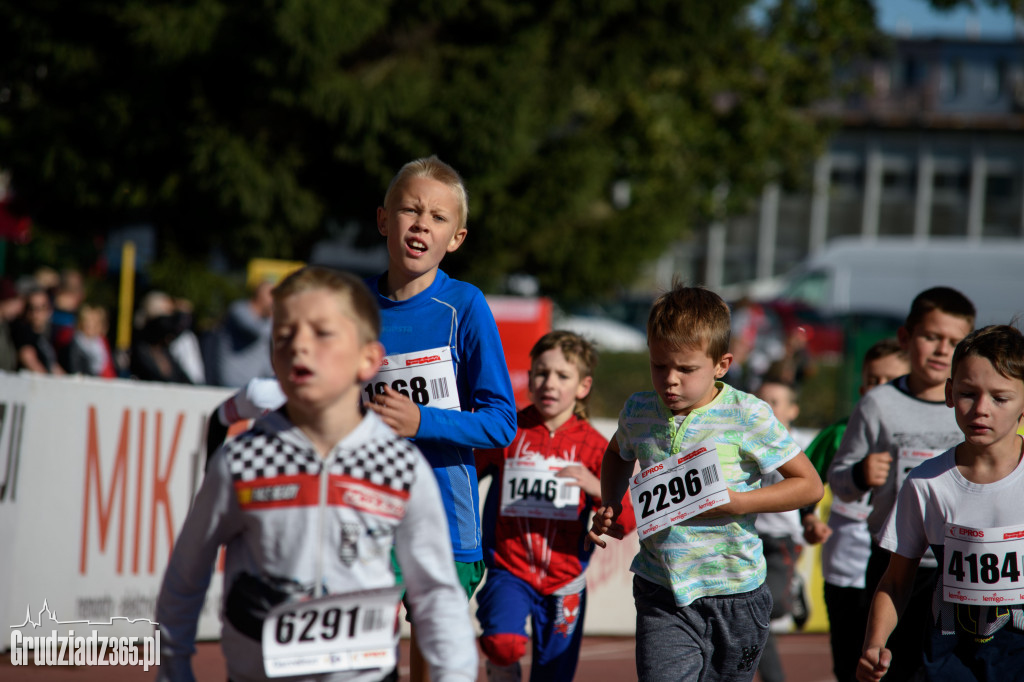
904, 532
437, 602
209, 522
252, 401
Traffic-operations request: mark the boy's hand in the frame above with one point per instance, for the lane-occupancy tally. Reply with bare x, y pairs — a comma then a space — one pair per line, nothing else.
397, 411
604, 524
816, 531
876, 468
873, 664
586, 480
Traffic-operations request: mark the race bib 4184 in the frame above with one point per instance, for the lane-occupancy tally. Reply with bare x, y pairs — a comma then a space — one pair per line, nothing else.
983, 565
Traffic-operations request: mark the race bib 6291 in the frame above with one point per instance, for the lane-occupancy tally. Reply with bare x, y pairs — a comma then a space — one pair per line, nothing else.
351, 631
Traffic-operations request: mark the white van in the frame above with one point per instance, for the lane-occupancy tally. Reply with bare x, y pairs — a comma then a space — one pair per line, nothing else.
883, 275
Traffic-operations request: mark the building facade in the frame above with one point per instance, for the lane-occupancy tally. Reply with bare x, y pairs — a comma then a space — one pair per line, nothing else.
934, 148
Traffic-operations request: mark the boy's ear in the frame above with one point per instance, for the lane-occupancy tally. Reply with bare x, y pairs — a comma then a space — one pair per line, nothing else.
949, 393
382, 221
372, 354
583, 390
457, 239
903, 336
722, 367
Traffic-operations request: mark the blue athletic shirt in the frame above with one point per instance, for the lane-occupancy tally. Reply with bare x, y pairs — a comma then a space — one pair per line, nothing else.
455, 314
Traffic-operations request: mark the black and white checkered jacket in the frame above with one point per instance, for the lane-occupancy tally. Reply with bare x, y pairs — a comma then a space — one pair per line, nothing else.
291, 517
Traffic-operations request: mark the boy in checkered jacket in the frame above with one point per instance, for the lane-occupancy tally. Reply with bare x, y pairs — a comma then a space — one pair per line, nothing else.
310, 503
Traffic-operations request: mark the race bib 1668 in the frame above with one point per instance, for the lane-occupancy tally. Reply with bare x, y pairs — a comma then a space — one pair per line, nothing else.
426, 377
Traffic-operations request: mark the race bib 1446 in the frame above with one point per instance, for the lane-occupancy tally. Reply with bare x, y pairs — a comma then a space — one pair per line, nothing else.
531, 489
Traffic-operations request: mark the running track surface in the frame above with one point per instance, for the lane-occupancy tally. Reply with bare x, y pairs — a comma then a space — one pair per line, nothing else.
805, 658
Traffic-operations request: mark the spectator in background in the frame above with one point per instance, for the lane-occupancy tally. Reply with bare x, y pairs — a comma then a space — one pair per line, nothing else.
46, 278
240, 347
89, 350
31, 334
11, 307
68, 296
185, 347
795, 363
156, 327
755, 343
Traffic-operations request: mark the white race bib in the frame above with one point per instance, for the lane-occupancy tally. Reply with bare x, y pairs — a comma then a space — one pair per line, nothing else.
351, 631
983, 565
908, 458
427, 377
531, 489
677, 488
858, 510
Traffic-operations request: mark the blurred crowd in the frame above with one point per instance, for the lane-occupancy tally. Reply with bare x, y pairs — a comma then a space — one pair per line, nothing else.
49, 325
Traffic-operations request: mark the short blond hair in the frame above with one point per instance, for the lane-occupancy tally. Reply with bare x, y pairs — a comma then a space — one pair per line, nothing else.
691, 318
347, 288
435, 169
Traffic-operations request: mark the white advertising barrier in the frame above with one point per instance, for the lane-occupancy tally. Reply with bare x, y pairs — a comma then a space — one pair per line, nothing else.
96, 477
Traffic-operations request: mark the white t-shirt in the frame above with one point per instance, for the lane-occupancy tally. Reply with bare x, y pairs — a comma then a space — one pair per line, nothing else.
936, 493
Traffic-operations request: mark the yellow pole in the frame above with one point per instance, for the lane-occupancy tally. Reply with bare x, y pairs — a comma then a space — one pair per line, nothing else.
126, 300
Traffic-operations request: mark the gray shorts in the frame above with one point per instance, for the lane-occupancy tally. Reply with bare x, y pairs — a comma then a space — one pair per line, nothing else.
714, 638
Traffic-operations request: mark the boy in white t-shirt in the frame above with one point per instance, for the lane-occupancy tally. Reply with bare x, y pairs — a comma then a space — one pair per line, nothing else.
964, 505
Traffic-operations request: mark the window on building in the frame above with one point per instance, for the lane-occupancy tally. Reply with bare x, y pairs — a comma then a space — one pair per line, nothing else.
951, 79
1003, 200
848, 179
993, 78
952, 182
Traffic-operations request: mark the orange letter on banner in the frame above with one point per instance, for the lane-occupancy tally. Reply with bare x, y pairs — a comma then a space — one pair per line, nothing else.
139, 491
92, 472
160, 493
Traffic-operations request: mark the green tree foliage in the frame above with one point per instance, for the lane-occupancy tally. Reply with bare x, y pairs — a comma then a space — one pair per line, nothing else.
245, 125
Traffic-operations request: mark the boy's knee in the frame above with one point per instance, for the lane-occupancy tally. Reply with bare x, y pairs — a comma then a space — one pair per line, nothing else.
503, 649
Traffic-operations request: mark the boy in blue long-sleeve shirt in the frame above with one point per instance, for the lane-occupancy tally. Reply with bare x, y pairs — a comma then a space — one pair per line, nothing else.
444, 382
